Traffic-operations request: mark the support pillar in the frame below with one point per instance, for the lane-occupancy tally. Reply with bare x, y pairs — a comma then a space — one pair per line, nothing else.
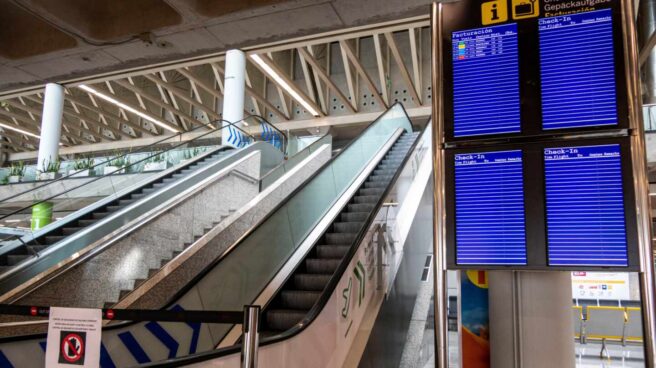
531, 319
51, 123
233, 96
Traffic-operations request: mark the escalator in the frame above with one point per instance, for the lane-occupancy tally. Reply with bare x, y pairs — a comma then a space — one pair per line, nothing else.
28, 261
304, 287
26, 249
290, 262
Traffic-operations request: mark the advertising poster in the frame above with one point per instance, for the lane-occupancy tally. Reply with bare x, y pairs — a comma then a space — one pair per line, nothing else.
475, 320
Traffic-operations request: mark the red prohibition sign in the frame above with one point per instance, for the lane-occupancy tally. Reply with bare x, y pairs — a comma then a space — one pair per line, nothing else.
76, 350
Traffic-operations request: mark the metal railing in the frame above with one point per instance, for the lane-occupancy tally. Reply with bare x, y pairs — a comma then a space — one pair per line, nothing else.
249, 319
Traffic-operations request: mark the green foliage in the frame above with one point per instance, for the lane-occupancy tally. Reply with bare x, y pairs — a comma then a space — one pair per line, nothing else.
17, 169
119, 161
158, 157
51, 166
4, 180
84, 163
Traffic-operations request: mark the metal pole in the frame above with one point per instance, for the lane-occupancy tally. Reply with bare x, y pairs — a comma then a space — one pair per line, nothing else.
250, 336
640, 181
439, 245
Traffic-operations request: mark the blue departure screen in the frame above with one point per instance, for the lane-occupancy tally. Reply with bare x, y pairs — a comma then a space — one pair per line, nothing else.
485, 81
490, 225
577, 70
585, 206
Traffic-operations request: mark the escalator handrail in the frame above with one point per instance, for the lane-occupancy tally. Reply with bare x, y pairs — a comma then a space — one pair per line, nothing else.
325, 294
265, 121
317, 142
180, 293
142, 149
112, 173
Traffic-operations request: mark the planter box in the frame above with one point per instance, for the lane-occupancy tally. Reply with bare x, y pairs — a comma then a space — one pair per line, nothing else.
113, 170
49, 176
80, 174
15, 179
156, 166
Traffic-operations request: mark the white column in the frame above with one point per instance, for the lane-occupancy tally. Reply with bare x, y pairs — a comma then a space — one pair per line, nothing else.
53, 110
234, 90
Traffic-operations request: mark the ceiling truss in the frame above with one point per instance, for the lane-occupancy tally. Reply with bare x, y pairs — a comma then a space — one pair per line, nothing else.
337, 77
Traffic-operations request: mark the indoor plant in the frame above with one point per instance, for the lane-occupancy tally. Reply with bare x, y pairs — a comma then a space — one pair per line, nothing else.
156, 163
50, 170
16, 172
82, 167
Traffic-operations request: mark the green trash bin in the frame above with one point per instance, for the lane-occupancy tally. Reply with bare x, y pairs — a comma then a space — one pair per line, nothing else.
41, 215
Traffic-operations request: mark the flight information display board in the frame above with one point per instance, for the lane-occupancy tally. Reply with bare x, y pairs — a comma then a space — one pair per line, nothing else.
577, 70
485, 81
586, 223
489, 209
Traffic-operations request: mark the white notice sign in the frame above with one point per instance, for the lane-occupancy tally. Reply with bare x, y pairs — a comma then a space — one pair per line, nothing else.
74, 338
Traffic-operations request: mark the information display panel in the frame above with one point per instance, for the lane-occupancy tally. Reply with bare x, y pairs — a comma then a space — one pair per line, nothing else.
577, 70
523, 69
541, 206
586, 224
486, 81
489, 208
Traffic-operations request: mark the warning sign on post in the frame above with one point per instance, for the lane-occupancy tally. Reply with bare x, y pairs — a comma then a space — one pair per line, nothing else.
74, 338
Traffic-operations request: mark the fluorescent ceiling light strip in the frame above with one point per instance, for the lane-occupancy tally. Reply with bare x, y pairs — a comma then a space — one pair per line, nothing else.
128, 108
21, 131
292, 92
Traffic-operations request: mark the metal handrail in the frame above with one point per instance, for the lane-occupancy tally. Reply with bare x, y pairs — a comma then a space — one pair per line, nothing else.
249, 319
142, 149
284, 136
113, 172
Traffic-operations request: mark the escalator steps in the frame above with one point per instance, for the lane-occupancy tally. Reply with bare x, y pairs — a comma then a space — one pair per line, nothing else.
299, 299
322, 265
283, 319
308, 281
304, 288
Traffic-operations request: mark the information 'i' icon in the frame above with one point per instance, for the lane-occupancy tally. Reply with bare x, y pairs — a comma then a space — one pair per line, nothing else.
494, 12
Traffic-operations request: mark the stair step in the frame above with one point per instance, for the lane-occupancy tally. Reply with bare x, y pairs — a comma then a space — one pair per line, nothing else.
114, 208
354, 216
332, 251
366, 199
308, 281
52, 239
299, 299
138, 282
123, 293
37, 248
340, 238
109, 305
13, 259
347, 227
152, 272
372, 191
125, 202
375, 184
86, 222
137, 196
99, 215
322, 266
360, 207
283, 319
70, 230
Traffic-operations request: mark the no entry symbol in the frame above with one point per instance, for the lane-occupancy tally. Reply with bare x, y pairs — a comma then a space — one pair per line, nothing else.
72, 345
